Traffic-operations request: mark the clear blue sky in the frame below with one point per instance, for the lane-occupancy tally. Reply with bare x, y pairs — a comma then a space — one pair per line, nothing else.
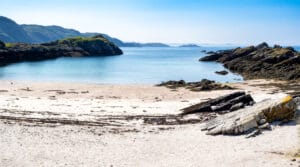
170, 21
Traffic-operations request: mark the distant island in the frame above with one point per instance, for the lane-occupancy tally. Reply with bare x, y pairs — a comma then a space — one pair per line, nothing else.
189, 46
69, 47
10, 31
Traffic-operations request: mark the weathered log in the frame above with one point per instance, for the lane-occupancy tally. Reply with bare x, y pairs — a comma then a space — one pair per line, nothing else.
252, 117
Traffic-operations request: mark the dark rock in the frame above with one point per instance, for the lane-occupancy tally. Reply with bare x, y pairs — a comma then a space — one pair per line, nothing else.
233, 104
223, 104
261, 61
211, 57
237, 53
2, 45
277, 46
203, 85
203, 51
222, 72
210, 52
173, 84
262, 46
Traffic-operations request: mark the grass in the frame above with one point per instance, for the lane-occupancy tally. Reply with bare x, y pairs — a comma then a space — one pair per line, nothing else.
9, 45
78, 40
279, 52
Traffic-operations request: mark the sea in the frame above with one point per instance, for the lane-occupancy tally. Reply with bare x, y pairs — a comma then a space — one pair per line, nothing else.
138, 65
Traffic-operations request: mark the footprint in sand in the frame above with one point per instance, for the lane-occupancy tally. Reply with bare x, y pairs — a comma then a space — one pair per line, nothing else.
26, 89
52, 97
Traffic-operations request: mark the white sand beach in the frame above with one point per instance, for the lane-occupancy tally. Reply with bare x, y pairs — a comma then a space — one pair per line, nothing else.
68, 124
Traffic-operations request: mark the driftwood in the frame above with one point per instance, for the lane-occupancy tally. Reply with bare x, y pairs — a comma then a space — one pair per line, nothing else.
253, 117
230, 102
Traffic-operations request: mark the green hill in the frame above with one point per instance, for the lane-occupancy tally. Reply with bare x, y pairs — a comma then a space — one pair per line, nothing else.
69, 47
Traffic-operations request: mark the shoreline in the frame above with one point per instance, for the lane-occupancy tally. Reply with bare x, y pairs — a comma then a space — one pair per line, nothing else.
52, 124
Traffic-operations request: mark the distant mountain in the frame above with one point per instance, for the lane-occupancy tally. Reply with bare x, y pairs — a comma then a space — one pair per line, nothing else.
10, 31
42, 34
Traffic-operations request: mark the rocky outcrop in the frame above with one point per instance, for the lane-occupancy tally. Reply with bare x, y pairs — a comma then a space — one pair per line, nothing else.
260, 61
70, 47
2, 45
222, 72
203, 85
223, 104
252, 118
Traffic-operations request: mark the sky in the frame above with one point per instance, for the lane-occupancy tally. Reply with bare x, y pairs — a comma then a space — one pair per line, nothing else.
168, 21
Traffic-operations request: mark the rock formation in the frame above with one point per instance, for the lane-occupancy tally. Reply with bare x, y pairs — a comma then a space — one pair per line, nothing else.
70, 47
2, 45
223, 104
222, 72
203, 85
261, 61
252, 118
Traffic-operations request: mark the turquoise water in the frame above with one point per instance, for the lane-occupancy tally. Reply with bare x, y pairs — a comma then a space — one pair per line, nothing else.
137, 65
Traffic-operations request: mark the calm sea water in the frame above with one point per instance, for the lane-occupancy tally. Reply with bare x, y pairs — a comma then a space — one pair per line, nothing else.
137, 65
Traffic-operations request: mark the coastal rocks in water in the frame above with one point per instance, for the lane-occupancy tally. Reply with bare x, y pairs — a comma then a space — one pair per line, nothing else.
260, 61
297, 100
222, 72
203, 85
210, 52
2, 45
223, 104
70, 47
252, 118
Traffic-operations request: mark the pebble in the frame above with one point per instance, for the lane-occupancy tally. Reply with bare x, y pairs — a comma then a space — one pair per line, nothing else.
254, 133
265, 126
262, 121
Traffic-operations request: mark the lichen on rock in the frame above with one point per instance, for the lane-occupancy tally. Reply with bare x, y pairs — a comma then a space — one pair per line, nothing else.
252, 117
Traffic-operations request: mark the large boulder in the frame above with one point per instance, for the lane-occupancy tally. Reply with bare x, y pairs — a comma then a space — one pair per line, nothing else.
253, 117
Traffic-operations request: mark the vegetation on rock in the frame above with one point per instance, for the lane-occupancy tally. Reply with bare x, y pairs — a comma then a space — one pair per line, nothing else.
71, 47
